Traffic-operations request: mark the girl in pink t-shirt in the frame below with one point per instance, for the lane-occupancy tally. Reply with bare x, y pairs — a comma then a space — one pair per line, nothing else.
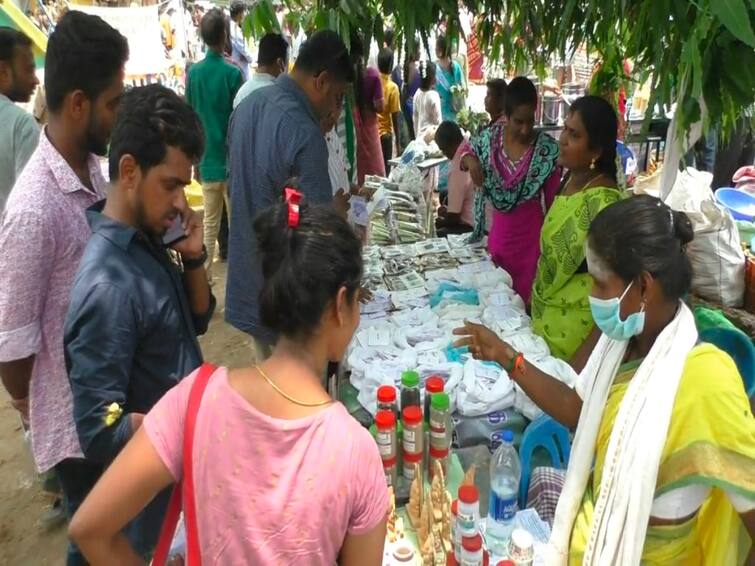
282, 473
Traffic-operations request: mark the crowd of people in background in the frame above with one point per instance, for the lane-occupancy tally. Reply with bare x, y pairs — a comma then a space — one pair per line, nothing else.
106, 284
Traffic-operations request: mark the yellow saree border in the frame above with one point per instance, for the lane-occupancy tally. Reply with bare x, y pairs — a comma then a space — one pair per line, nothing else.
705, 463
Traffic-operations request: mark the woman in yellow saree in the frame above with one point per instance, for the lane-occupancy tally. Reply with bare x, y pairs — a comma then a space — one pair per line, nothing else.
705, 448
662, 469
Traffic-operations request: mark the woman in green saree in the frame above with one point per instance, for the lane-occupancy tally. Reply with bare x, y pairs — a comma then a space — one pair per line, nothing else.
560, 312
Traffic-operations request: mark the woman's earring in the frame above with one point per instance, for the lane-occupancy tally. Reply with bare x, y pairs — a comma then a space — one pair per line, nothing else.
592, 164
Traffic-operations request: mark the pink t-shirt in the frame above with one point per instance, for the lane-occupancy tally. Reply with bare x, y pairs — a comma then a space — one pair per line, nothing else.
268, 490
460, 190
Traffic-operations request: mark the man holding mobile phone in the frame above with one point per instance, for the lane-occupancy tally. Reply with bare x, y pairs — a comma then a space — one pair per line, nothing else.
137, 305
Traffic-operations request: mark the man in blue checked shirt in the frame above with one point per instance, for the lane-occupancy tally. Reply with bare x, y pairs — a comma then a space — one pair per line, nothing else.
275, 135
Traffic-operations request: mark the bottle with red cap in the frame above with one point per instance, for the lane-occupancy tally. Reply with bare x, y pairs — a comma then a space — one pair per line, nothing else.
390, 469
471, 551
385, 421
410, 464
386, 399
433, 384
451, 560
468, 517
414, 433
413, 436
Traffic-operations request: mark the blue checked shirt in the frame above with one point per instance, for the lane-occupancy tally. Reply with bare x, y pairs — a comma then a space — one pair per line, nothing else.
274, 136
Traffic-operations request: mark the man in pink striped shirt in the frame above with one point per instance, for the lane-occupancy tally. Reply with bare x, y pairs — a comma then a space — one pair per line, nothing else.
43, 233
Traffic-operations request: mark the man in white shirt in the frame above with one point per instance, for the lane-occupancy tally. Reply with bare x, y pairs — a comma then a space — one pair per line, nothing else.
338, 167
272, 60
239, 53
19, 132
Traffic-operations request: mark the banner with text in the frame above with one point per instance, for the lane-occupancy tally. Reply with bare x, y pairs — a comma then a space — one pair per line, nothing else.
141, 26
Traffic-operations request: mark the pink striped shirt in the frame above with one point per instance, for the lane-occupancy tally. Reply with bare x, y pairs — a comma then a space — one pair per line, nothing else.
43, 232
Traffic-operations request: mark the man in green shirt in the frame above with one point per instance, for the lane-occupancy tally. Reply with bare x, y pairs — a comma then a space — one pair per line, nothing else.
210, 89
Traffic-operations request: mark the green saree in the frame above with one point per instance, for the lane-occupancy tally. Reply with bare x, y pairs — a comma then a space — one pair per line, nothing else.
560, 309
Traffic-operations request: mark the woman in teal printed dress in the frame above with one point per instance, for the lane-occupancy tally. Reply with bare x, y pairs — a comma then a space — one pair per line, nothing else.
448, 76
516, 168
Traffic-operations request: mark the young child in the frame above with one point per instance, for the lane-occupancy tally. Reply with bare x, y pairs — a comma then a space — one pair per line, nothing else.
495, 100
388, 119
458, 216
427, 112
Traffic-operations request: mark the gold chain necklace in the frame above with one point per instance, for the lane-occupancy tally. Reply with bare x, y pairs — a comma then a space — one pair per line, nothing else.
587, 184
287, 396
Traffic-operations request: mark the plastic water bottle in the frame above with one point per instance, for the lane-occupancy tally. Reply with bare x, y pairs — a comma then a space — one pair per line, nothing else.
505, 472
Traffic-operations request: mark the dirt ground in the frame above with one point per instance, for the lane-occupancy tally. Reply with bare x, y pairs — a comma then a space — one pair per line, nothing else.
24, 538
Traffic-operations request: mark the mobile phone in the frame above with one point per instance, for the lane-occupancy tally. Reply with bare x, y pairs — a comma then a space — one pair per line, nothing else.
176, 232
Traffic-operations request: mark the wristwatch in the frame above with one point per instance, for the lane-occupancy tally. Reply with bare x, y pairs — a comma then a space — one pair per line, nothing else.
196, 263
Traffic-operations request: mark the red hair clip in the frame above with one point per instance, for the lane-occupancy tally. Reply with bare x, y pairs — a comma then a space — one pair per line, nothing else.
293, 198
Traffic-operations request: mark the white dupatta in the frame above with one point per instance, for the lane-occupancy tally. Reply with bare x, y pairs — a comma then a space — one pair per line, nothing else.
627, 486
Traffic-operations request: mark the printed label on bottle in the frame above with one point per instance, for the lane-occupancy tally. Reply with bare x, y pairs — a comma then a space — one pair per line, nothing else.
410, 447
388, 478
438, 434
502, 509
384, 438
386, 450
466, 524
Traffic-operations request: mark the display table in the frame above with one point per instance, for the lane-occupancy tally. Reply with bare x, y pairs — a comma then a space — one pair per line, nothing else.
421, 292
527, 519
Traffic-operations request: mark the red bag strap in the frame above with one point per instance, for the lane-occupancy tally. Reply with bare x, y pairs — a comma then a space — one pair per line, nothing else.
193, 557
186, 485
168, 529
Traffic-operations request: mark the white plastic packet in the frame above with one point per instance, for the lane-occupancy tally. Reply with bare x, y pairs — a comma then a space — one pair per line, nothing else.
485, 388
505, 319
528, 343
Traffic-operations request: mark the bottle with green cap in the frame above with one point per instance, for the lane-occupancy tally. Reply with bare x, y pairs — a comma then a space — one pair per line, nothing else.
410, 389
440, 421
